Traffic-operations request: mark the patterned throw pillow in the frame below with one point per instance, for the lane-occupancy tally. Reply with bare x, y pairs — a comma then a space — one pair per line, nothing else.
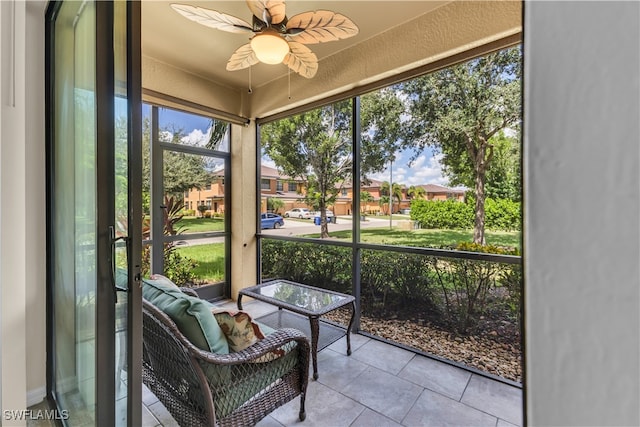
241, 332
238, 328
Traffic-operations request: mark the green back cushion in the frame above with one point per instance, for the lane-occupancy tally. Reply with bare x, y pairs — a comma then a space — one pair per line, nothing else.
191, 315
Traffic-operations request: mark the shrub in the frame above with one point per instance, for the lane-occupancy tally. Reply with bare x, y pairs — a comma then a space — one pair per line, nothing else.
502, 214
189, 212
466, 285
176, 267
322, 266
400, 277
456, 292
447, 214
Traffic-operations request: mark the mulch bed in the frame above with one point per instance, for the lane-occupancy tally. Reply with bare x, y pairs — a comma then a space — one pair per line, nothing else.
494, 348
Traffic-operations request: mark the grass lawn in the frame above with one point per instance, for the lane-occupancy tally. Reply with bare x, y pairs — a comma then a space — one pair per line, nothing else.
426, 237
201, 225
210, 259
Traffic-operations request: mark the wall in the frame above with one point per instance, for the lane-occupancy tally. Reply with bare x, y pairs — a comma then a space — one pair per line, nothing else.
35, 193
582, 213
243, 200
13, 225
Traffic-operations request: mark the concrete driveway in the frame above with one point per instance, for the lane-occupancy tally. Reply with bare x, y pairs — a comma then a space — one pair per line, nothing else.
303, 227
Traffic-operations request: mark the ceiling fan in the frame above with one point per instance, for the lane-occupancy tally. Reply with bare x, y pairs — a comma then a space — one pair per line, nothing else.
276, 38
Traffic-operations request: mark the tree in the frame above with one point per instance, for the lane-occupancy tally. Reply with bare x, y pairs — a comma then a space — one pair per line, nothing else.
503, 176
316, 146
393, 192
365, 199
414, 192
274, 204
458, 110
384, 204
396, 193
218, 132
182, 171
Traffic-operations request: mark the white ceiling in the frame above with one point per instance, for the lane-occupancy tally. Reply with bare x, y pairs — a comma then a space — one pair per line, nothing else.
172, 39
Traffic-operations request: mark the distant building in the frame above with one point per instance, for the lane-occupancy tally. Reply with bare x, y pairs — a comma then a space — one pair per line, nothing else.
439, 192
274, 184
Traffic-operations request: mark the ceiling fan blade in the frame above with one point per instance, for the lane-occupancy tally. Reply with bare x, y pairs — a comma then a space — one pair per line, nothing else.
213, 19
275, 10
243, 57
301, 60
320, 26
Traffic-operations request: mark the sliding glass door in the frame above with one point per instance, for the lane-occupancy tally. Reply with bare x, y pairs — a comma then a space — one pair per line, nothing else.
94, 211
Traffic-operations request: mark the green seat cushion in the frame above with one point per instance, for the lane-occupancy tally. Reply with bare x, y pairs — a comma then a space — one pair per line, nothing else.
191, 315
232, 386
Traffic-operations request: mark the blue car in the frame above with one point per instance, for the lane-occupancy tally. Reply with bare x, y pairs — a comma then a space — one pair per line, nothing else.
269, 220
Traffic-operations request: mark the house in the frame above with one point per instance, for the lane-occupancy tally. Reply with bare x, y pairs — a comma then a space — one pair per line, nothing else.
439, 192
581, 104
274, 184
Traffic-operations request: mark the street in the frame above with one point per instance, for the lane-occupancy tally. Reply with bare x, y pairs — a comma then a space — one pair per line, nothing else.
304, 227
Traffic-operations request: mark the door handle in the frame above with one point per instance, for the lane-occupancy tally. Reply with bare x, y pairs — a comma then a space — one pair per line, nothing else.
114, 240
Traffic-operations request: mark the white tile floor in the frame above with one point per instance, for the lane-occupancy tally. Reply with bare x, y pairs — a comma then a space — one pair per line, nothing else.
382, 385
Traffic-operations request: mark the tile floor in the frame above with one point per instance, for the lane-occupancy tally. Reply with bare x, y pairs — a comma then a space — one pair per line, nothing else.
379, 385
382, 385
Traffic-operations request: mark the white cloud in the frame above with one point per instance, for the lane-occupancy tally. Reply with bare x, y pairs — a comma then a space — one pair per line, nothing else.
196, 138
423, 170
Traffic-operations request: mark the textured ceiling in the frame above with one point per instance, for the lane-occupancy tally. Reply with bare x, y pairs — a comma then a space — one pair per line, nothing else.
172, 39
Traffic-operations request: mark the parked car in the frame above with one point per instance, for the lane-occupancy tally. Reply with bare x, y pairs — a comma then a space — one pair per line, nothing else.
270, 220
302, 213
327, 212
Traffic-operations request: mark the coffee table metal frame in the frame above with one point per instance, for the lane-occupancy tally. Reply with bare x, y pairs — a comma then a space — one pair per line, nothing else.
313, 315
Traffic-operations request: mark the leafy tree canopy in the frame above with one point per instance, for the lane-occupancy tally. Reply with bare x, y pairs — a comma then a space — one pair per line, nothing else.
316, 146
459, 110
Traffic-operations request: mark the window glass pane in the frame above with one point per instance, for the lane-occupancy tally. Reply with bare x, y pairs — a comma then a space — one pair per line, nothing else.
421, 185
463, 310
74, 213
178, 127
194, 200
312, 152
322, 266
196, 181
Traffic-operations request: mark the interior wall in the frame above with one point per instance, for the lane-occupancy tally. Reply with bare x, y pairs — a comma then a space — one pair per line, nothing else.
13, 224
582, 213
35, 194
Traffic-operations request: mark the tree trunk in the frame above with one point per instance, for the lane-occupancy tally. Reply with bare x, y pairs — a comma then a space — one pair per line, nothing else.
478, 226
324, 228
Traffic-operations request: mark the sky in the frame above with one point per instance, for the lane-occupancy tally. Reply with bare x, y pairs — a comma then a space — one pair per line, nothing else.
426, 169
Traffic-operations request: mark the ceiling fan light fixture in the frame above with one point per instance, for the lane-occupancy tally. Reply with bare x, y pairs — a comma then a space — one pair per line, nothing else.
270, 47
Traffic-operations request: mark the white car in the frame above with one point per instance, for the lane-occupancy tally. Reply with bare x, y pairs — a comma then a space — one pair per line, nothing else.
302, 213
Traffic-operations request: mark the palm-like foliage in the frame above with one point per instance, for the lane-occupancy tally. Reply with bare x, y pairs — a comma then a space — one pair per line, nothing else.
414, 192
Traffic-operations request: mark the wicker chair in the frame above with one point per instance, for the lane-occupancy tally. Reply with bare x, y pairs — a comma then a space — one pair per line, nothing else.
237, 389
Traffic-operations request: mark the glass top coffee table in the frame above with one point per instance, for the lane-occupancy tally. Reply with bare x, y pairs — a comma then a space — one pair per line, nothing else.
305, 300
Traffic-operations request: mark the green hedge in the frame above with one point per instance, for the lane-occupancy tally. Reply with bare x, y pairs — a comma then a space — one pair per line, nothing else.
500, 214
446, 214
324, 266
457, 292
